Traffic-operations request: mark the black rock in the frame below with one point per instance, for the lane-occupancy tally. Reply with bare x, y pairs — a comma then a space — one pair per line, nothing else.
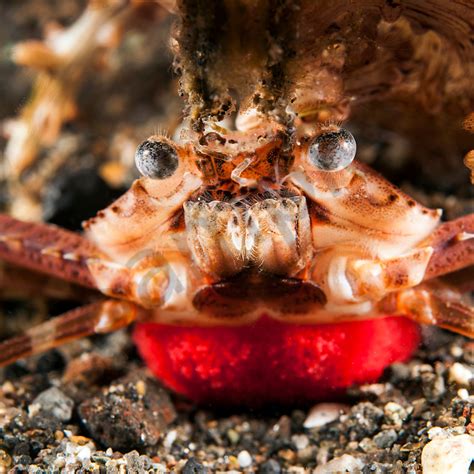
270, 467
193, 467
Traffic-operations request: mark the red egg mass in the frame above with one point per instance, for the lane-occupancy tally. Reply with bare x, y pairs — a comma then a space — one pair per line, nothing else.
270, 362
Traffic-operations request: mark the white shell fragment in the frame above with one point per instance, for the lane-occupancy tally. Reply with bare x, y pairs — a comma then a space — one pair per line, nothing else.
460, 374
451, 455
244, 459
323, 413
344, 463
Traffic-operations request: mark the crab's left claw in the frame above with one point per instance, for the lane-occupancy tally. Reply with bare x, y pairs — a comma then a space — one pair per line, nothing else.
434, 302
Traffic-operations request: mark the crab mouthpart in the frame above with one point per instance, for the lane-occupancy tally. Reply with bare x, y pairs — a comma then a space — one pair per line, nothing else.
250, 291
272, 235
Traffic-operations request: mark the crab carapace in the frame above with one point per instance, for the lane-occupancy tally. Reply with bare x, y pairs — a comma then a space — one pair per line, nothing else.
235, 224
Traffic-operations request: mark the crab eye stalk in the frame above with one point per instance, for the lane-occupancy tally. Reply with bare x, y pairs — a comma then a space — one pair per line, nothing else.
156, 159
332, 151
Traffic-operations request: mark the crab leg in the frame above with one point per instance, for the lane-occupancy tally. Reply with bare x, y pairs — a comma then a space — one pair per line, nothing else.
453, 244
47, 249
21, 283
96, 318
432, 303
68, 256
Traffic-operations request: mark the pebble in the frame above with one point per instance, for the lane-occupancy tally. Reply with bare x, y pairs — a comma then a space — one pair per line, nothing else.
433, 385
324, 413
244, 459
233, 436
270, 467
123, 418
5, 460
363, 419
306, 455
386, 439
170, 438
394, 413
52, 402
456, 351
463, 394
84, 455
460, 374
137, 464
300, 441
367, 445
437, 432
344, 463
451, 455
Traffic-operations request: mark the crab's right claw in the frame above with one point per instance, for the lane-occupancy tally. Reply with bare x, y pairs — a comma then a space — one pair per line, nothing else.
453, 244
433, 303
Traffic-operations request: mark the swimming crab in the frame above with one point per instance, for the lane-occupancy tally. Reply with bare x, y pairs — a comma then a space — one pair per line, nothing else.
229, 225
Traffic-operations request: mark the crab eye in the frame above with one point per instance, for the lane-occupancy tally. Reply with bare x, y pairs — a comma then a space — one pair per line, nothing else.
332, 151
156, 159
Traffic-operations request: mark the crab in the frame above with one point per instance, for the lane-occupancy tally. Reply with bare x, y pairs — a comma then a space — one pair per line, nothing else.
263, 226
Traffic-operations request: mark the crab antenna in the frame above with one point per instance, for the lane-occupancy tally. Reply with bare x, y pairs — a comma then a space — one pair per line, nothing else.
96, 318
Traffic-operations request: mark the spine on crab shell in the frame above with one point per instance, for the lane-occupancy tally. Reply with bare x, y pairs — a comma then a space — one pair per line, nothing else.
47, 249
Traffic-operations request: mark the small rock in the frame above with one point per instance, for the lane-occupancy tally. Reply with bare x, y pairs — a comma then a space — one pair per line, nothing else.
233, 436
137, 464
283, 428
437, 432
124, 419
395, 414
344, 463
385, 439
460, 374
170, 438
306, 455
432, 384
84, 455
324, 413
300, 441
399, 372
5, 460
193, 467
456, 351
244, 459
463, 394
363, 420
52, 402
270, 467
367, 445
448, 455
